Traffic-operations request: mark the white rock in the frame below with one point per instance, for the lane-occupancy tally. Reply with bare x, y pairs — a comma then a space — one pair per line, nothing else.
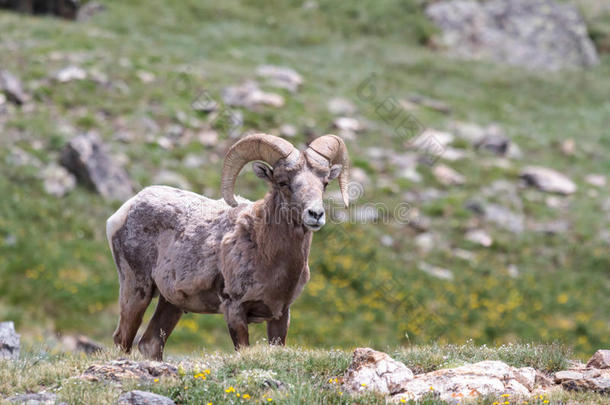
447, 176
288, 130
434, 271
208, 137
341, 106
281, 76
470, 381
548, 180
375, 371
348, 124
597, 180
70, 73
145, 77
601, 359
57, 181
480, 237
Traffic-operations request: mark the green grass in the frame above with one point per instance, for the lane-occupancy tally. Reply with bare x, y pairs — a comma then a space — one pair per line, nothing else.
304, 374
56, 270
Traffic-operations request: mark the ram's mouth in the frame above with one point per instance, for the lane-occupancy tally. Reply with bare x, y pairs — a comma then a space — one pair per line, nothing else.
314, 227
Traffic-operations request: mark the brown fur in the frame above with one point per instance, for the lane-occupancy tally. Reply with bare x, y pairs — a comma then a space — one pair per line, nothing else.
201, 255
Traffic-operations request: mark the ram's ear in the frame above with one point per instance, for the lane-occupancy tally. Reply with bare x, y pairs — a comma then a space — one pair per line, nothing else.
263, 171
335, 171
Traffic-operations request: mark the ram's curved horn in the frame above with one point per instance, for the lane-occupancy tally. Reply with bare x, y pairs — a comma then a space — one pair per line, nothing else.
267, 148
333, 149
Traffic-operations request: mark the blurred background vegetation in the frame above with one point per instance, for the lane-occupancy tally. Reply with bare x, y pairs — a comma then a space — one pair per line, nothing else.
367, 285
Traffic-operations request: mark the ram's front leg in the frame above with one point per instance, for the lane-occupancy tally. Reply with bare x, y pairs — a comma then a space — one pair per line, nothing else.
278, 329
237, 322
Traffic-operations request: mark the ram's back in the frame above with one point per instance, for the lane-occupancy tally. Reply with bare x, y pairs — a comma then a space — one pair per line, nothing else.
172, 236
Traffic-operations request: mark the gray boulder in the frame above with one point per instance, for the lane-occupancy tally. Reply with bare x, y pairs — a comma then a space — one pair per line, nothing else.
536, 34
601, 359
548, 180
41, 398
9, 341
87, 157
143, 398
11, 86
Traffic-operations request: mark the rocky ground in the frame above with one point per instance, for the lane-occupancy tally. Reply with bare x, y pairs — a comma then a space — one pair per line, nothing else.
515, 374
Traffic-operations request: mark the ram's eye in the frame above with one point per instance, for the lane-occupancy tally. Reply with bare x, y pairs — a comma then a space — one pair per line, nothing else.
282, 184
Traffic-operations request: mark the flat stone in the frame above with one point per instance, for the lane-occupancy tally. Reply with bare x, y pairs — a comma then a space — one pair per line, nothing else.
281, 76
70, 73
434, 271
41, 398
470, 381
143, 398
480, 237
447, 176
117, 370
341, 106
548, 180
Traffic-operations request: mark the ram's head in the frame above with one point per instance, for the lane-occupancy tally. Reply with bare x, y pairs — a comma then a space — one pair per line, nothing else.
299, 178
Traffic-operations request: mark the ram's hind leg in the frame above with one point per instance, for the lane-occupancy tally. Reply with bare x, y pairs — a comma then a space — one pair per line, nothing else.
159, 328
134, 297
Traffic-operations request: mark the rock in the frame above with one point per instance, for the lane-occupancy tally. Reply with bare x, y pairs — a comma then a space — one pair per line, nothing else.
430, 103
9, 341
19, 157
453, 155
438, 272
341, 106
496, 143
597, 180
208, 138
250, 96
57, 181
193, 161
375, 371
70, 73
552, 227
80, 344
170, 178
442, 138
386, 240
88, 10
512, 270
143, 398
447, 176
568, 147
470, 381
281, 76
504, 218
480, 237
536, 34
348, 124
41, 398
471, 132
548, 180
288, 130
426, 242
117, 370
86, 157
11, 86
145, 76
601, 359
593, 379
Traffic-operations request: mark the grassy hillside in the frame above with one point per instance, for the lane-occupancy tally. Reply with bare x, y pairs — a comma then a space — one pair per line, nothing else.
56, 270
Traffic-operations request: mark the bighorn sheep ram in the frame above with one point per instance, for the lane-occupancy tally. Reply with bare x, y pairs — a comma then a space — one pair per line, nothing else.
246, 260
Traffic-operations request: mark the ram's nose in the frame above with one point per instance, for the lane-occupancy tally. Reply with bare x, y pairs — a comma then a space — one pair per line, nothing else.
314, 217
